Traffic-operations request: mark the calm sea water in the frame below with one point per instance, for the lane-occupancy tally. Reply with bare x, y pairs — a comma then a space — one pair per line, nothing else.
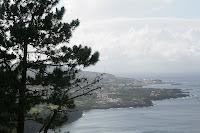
180, 115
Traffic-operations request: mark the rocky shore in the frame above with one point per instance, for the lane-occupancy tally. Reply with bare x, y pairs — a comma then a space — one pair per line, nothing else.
33, 127
73, 116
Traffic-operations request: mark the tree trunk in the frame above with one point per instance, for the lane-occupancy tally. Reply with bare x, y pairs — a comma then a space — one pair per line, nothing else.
22, 89
20, 126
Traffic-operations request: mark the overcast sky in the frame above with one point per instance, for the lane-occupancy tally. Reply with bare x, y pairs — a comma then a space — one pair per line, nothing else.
137, 36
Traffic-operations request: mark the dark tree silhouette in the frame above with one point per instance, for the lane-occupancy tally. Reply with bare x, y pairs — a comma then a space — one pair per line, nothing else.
37, 64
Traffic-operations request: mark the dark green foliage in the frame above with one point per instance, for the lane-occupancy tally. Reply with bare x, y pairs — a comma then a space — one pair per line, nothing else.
37, 64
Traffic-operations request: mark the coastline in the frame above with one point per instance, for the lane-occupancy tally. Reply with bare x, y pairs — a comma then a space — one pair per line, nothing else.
33, 127
80, 110
128, 101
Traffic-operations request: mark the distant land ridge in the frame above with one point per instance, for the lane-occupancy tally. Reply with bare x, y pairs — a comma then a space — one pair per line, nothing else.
91, 75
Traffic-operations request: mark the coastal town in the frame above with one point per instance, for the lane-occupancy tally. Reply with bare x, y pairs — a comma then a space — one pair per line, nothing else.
118, 92
128, 92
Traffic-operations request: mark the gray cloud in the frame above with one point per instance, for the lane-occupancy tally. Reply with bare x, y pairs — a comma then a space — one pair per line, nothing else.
130, 44
150, 45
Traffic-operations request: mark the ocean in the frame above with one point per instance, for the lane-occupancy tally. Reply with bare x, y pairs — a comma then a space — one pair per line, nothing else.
180, 115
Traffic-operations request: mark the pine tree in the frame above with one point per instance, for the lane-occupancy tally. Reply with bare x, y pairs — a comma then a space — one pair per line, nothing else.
37, 64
